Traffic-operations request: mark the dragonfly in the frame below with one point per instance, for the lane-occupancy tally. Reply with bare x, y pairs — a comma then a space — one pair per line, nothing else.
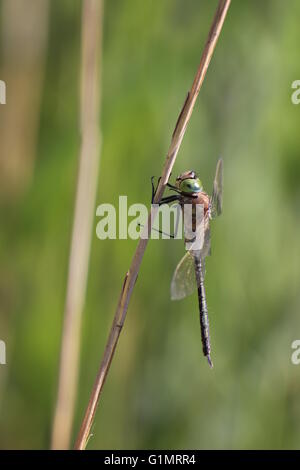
190, 271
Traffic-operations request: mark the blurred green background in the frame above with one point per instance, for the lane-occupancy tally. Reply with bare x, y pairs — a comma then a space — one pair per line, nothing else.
160, 392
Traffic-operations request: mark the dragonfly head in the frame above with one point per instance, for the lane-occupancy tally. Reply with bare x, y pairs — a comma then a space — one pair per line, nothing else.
189, 183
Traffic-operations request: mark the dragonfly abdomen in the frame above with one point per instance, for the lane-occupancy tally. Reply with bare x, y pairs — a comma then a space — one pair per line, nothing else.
204, 323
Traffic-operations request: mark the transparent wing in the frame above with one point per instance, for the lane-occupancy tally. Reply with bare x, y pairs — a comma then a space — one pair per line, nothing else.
217, 194
200, 240
184, 278
206, 250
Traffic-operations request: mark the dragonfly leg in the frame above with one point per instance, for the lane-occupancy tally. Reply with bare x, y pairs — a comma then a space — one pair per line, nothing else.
173, 188
168, 199
159, 231
154, 189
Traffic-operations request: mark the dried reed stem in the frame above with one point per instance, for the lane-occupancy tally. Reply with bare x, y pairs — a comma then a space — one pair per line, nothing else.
83, 222
132, 274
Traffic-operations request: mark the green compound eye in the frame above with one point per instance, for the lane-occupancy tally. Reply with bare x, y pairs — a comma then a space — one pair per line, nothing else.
190, 185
